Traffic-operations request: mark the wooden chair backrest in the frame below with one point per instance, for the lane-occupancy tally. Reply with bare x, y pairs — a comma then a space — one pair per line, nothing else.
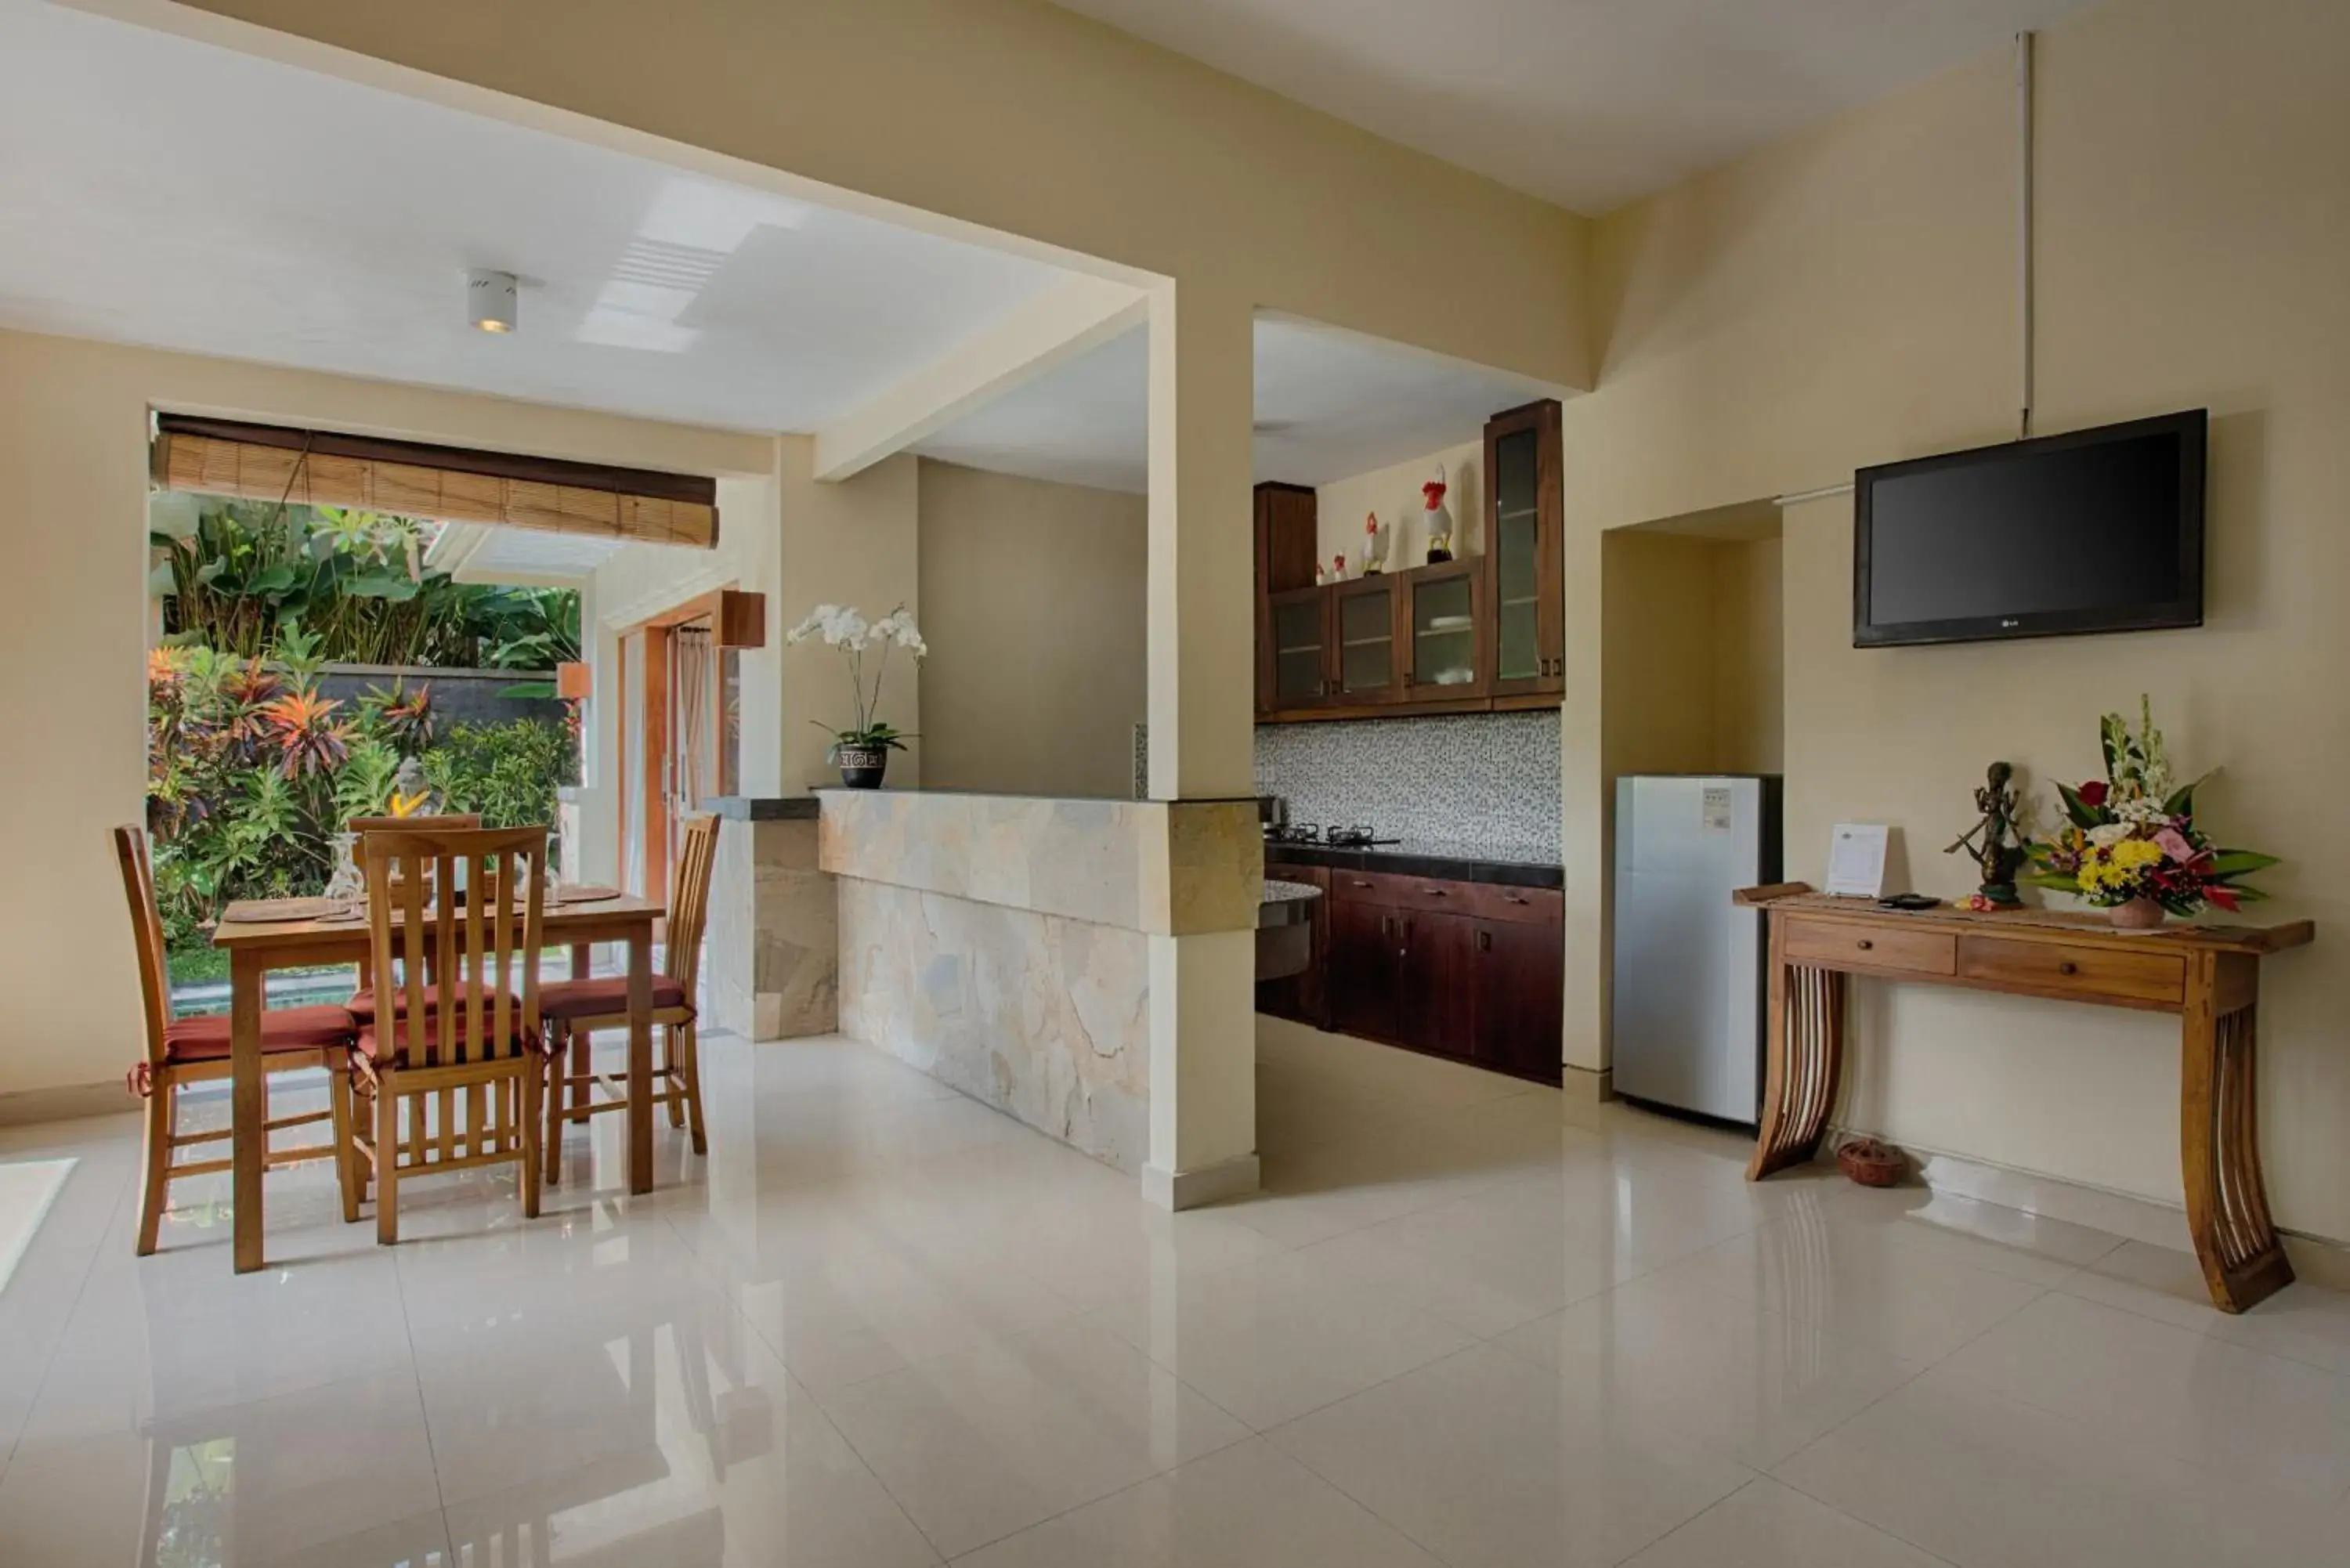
689, 901
471, 963
146, 933
448, 819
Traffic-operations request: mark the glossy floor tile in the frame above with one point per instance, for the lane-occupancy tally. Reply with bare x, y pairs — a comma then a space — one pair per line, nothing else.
1467, 1322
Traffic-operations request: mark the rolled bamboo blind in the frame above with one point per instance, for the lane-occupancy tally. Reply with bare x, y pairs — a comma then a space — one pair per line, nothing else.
455, 484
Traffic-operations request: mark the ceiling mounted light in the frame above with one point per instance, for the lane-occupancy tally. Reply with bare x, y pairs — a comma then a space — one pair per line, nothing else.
490, 300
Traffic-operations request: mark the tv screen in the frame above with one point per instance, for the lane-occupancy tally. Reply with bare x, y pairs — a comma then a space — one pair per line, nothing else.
2099, 530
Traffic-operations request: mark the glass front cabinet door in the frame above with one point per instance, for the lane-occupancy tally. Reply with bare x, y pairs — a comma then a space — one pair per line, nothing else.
1296, 672
1524, 625
1446, 657
1363, 616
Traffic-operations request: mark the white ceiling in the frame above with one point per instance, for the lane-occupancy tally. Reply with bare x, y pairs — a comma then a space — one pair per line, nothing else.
1588, 103
1328, 404
158, 191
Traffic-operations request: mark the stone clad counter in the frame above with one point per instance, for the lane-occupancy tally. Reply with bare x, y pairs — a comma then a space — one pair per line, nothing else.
1002, 943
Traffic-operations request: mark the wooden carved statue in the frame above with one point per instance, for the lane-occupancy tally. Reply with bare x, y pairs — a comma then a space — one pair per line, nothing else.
1991, 842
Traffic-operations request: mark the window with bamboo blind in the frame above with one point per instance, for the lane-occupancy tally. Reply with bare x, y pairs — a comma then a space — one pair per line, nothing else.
453, 484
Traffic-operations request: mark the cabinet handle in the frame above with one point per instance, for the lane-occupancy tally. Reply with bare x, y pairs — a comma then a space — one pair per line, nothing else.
1513, 899
1436, 892
2068, 967
1485, 942
1863, 944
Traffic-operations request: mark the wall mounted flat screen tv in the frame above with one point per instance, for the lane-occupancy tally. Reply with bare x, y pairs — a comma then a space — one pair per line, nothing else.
2098, 530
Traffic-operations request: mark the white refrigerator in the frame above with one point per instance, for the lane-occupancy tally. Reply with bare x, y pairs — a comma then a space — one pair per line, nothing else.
1688, 1002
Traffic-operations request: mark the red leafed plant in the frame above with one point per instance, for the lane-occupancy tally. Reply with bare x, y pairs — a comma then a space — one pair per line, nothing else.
310, 740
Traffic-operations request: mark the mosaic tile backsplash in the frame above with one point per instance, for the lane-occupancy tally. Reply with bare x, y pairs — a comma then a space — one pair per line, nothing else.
1487, 782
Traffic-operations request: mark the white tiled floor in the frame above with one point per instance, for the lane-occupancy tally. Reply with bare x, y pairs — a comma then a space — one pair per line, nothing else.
1466, 1324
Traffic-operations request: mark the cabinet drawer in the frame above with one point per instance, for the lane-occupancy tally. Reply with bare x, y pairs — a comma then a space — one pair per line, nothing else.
1841, 946
2055, 968
1528, 905
1405, 892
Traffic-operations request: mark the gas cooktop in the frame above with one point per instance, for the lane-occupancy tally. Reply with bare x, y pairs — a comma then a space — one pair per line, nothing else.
1362, 835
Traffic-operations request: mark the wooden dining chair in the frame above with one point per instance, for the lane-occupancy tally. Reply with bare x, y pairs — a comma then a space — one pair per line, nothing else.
362, 1002
576, 1010
447, 1072
186, 1051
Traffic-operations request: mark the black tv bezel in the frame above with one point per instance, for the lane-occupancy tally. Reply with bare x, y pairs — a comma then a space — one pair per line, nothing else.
2190, 425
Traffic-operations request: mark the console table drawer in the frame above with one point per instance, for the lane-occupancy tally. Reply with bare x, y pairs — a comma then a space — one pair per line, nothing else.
1840, 946
2098, 973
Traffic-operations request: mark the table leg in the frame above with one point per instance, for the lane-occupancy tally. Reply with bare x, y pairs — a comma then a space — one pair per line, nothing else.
574, 1089
1806, 1035
640, 1058
2218, 1140
248, 1105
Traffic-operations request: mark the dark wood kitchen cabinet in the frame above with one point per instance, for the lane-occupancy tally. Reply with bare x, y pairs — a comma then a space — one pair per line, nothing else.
1524, 626
1518, 990
1468, 970
1359, 974
1484, 632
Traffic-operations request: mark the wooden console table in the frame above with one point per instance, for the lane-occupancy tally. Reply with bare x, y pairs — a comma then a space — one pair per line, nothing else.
2208, 975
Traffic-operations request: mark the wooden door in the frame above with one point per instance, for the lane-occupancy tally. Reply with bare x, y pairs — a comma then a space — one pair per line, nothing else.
1444, 654
1366, 625
1434, 984
1359, 980
1294, 656
1525, 624
1519, 983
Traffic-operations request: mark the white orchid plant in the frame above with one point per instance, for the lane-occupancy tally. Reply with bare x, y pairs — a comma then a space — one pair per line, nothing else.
845, 628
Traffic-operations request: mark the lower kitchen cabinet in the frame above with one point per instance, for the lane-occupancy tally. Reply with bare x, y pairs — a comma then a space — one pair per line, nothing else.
1462, 970
1520, 1003
1359, 976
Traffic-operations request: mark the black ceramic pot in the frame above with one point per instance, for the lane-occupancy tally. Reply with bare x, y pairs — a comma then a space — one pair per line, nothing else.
861, 767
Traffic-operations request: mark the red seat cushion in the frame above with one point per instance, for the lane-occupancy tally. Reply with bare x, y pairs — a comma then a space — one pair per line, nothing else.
604, 997
362, 1002
282, 1029
372, 1046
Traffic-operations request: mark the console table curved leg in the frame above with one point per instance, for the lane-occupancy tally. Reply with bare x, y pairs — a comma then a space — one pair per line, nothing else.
2220, 1155
1806, 1052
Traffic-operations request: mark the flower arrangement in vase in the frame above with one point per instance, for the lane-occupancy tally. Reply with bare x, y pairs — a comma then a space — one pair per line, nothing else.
2129, 843
862, 752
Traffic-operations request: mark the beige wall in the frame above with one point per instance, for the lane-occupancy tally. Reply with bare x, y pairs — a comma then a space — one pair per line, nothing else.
801, 544
1749, 657
1845, 298
1692, 652
1393, 492
1032, 601
73, 621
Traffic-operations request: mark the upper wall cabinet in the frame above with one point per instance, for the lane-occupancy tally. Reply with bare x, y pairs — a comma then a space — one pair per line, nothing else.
1482, 632
1525, 632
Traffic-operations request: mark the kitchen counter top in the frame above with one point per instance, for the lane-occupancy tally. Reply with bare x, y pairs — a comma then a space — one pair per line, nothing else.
1495, 864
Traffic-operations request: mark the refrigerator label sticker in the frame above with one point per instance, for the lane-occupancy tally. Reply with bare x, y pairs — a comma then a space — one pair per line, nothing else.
1714, 813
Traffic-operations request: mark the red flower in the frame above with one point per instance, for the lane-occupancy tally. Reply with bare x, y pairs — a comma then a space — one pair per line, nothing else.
2094, 793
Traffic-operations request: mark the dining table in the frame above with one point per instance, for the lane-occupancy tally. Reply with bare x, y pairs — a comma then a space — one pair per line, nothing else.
576, 917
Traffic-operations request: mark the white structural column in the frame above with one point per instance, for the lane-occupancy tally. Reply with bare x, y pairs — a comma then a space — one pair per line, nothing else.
1201, 655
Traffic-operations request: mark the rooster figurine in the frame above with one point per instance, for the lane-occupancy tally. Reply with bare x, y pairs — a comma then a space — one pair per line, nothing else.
1436, 519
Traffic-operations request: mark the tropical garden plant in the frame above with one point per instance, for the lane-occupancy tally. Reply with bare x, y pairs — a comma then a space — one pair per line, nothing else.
253, 770
354, 585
